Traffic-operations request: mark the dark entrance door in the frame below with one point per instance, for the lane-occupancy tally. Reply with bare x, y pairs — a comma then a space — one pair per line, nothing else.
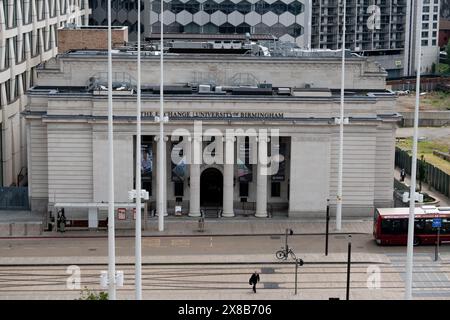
211, 188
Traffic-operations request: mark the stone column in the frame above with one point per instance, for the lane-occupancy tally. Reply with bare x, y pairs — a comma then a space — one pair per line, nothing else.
160, 182
261, 179
228, 181
194, 179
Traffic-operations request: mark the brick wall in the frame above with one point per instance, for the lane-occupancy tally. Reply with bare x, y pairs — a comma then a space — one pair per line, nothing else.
90, 38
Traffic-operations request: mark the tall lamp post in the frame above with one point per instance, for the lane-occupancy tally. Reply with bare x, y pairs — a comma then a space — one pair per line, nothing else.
111, 225
349, 261
341, 132
161, 147
412, 191
138, 248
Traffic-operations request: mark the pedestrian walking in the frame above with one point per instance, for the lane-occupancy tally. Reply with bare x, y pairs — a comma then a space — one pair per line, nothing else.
402, 175
254, 279
63, 221
58, 220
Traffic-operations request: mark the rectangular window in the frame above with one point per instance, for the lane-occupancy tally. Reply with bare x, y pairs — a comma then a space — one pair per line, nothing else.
179, 189
243, 189
8, 91
276, 189
394, 226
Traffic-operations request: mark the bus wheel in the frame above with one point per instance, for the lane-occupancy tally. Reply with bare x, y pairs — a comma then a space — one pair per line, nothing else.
416, 241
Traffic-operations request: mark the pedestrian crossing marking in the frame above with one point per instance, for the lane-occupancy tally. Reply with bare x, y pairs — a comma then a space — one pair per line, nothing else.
152, 242
180, 242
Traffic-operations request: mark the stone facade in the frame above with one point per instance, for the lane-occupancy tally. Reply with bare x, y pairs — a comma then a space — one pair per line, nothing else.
68, 129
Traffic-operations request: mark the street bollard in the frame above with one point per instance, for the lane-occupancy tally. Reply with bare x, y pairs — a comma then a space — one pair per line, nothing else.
201, 224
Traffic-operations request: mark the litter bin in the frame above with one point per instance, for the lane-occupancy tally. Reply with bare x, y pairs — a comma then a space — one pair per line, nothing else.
201, 224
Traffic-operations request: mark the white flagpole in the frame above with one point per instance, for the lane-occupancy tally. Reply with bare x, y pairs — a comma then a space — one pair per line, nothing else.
138, 248
412, 190
111, 236
341, 132
161, 149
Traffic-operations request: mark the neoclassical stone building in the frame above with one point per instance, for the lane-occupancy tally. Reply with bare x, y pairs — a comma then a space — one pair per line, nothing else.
27, 38
297, 97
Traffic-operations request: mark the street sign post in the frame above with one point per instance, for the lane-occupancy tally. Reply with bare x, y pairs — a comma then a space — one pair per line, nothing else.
327, 227
437, 223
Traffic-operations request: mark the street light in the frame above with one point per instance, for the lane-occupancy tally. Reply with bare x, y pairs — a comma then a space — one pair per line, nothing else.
138, 248
111, 225
341, 131
412, 202
327, 227
289, 232
349, 258
298, 262
161, 119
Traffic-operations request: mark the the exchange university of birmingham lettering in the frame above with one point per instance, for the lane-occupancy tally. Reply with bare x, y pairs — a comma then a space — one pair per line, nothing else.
245, 134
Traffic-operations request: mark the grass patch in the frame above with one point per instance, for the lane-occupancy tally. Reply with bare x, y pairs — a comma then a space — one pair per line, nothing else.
443, 68
426, 148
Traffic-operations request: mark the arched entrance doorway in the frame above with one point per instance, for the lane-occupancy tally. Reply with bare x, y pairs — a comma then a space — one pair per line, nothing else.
211, 188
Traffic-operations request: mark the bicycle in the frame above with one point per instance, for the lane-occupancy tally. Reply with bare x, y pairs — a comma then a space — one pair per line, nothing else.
284, 253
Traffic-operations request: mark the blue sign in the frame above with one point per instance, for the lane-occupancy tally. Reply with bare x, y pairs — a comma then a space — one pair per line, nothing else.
437, 222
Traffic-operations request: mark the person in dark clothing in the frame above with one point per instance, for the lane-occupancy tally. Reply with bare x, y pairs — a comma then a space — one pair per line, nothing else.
402, 175
254, 279
58, 220
63, 221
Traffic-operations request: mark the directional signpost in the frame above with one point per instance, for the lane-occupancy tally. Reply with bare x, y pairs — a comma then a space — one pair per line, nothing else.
437, 223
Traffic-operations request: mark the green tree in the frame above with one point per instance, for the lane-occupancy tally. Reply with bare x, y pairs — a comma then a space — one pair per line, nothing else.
87, 294
447, 49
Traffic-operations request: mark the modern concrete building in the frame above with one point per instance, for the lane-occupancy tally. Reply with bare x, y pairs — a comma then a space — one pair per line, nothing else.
27, 38
445, 9
383, 30
213, 94
374, 28
428, 38
285, 19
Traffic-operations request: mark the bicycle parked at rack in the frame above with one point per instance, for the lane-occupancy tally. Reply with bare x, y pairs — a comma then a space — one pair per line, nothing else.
284, 253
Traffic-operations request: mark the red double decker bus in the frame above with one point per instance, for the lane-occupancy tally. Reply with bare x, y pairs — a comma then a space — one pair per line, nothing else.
390, 225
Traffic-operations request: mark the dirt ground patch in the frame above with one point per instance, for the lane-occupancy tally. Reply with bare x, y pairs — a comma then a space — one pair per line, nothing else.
431, 101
